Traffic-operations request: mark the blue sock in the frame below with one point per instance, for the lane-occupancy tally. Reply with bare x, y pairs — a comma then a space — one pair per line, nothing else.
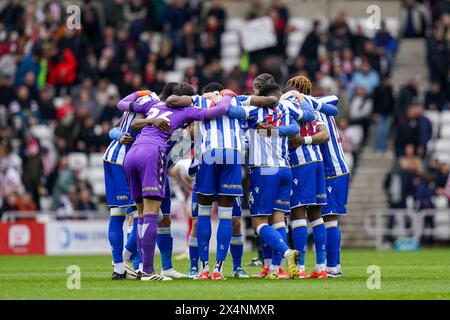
266, 252
131, 244
272, 238
339, 251
193, 252
164, 241
300, 238
115, 236
224, 232
276, 255
204, 231
332, 243
237, 250
320, 240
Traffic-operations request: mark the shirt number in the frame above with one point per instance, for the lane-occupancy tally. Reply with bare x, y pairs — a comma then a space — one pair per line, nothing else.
154, 113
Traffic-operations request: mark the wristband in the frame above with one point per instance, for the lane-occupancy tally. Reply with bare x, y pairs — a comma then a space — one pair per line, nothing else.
142, 93
308, 139
115, 134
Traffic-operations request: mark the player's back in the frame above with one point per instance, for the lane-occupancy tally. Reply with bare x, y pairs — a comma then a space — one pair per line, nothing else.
177, 117
222, 132
264, 150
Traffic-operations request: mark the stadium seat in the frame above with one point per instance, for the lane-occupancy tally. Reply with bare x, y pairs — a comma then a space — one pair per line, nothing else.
440, 202
42, 132
442, 145
234, 24
77, 160
174, 76
94, 174
233, 51
301, 24
393, 25
433, 116
182, 64
445, 132
96, 160
99, 188
230, 38
229, 63
442, 156
445, 117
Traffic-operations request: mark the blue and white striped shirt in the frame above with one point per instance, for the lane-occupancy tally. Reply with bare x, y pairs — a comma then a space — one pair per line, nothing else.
115, 153
268, 151
305, 153
220, 133
333, 154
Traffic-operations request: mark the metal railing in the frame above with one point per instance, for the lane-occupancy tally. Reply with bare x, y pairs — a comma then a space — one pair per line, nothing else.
399, 223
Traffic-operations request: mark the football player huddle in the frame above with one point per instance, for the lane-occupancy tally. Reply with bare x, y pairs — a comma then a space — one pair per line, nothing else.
285, 138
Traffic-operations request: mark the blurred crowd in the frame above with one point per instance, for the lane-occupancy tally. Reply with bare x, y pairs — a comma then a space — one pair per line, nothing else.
71, 79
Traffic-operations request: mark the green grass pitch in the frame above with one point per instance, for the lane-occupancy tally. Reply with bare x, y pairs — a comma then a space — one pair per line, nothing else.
423, 274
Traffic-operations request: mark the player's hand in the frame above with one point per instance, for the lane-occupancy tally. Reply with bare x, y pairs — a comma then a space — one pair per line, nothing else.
265, 129
295, 141
126, 139
213, 96
142, 93
228, 91
160, 123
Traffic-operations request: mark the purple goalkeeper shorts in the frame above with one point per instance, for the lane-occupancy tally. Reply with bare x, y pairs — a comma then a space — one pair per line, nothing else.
145, 166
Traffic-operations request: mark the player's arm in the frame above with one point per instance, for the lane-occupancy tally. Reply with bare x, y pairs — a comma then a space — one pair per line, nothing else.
221, 108
327, 105
262, 101
122, 137
321, 136
175, 101
127, 103
140, 122
283, 130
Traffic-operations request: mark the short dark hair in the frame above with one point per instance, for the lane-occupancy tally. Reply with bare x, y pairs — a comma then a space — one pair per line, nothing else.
268, 88
183, 89
167, 90
212, 86
262, 79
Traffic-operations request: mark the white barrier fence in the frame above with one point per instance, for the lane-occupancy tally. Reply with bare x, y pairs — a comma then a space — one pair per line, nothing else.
400, 223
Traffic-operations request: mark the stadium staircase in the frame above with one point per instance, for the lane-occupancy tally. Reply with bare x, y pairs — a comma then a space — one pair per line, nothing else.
366, 188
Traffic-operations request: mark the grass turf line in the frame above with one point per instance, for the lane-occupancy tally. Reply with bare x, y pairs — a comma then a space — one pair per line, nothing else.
423, 274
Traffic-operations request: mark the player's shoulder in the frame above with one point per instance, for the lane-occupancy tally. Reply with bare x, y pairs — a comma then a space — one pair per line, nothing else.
147, 98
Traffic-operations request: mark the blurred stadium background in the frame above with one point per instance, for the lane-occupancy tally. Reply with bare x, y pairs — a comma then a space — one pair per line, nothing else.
59, 87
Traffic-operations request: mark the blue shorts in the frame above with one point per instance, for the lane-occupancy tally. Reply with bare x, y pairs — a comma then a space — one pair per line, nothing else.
270, 190
167, 201
337, 195
237, 211
220, 172
308, 185
116, 186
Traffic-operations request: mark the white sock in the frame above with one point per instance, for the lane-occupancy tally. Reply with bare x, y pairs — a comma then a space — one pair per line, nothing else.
126, 254
141, 266
332, 269
218, 267
301, 267
205, 265
274, 267
267, 262
119, 268
319, 267
286, 253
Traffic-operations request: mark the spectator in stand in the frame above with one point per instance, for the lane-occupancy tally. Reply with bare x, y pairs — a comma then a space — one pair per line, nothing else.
438, 52
414, 19
65, 181
365, 77
407, 95
385, 44
360, 109
85, 203
310, 48
32, 165
256, 10
10, 181
383, 110
11, 15
413, 128
218, 11
62, 71
435, 98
